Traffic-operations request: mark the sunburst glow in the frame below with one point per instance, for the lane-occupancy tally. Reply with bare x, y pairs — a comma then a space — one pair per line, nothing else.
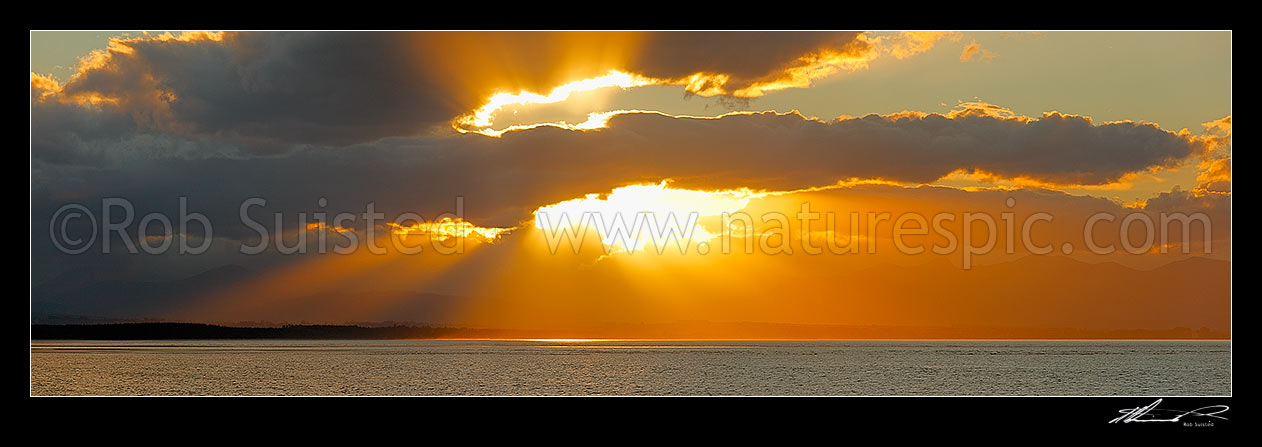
629, 217
448, 228
480, 120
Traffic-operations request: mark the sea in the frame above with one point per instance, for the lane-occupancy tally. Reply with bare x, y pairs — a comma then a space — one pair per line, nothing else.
630, 367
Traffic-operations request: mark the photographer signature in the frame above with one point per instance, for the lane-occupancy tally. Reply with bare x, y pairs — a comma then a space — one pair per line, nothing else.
1151, 413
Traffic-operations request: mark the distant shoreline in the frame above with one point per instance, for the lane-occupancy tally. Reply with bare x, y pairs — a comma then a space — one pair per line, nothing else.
766, 332
199, 331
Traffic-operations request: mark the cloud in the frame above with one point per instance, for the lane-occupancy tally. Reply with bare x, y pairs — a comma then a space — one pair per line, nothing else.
329, 123
791, 151
1218, 133
503, 179
709, 63
904, 44
43, 86
265, 94
519, 281
1215, 169
285, 88
749, 64
1214, 177
291, 117
973, 49
1219, 126
273, 91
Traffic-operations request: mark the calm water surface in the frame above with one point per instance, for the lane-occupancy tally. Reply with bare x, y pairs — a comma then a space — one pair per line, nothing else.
459, 367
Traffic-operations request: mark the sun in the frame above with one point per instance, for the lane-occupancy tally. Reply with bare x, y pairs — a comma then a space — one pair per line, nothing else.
630, 218
481, 120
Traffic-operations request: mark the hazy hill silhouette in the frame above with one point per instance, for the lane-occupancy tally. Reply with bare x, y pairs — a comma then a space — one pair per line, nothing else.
1034, 296
678, 330
1051, 291
69, 296
191, 331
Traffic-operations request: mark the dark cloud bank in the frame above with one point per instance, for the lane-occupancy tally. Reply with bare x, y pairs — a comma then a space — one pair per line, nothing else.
362, 117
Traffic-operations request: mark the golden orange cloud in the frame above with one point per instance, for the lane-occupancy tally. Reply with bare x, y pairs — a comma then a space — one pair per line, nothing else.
448, 228
461, 79
904, 44
45, 85
817, 63
973, 49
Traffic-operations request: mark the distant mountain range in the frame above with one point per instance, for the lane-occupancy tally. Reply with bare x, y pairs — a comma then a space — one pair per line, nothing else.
1035, 297
75, 301
72, 298
1051, 291
682, 330
187, 331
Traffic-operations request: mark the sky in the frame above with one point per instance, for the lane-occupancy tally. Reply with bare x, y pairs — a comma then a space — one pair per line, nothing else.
484, 138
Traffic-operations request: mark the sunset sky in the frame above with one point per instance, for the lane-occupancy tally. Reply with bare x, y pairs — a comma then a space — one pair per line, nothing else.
500, 132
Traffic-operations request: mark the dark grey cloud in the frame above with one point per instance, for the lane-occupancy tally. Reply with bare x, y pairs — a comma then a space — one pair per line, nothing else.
289, 88
746, 57
270, 91
773, 151
293, 117
69, 134
493, 263
503, 179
